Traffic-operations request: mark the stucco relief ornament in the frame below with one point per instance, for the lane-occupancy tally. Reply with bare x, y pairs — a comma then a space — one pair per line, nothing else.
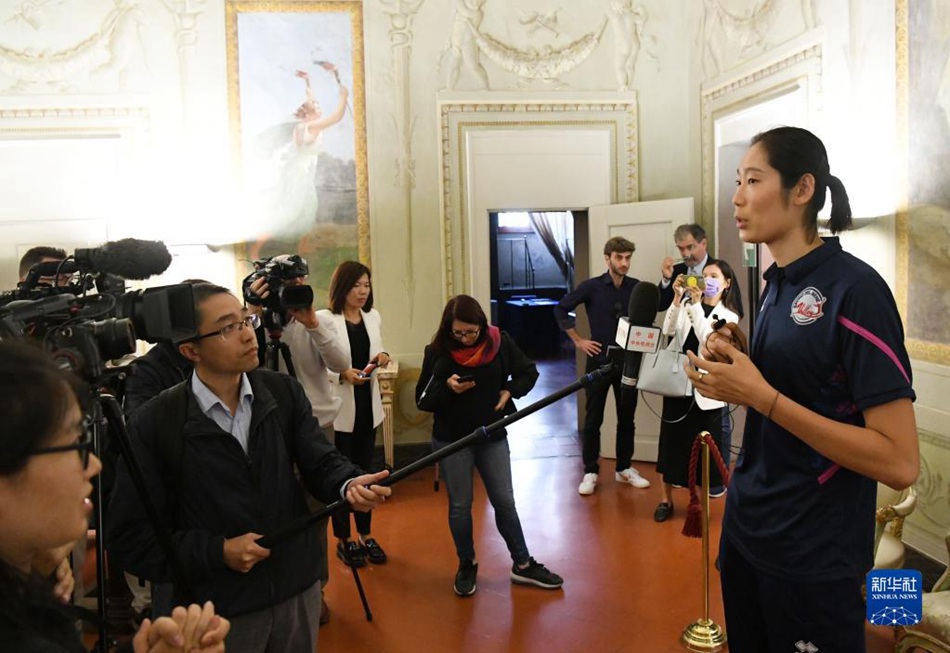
547, 63
729, 35
104, 53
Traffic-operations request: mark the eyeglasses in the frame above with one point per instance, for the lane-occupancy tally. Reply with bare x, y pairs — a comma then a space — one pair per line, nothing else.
253, 321
84, 447
465, 334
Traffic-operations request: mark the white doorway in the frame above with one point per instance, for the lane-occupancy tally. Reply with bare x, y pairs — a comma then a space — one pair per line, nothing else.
650, 226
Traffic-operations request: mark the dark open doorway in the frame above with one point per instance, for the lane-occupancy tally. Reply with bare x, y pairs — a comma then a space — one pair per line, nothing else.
532, 267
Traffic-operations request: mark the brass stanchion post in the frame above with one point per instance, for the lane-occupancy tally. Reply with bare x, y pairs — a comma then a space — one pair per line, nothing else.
705, 634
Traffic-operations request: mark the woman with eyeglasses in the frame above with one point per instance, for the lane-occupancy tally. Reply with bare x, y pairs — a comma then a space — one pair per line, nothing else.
46, 472
470, 372
358, 328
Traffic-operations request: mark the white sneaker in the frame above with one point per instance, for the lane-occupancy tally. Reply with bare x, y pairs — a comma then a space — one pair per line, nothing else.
631, 476
588, 484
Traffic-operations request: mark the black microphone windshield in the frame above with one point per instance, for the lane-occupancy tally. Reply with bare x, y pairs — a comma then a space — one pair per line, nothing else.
128, 258
644, 301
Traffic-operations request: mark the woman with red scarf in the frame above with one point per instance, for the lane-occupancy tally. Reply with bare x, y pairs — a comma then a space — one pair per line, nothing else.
469, 375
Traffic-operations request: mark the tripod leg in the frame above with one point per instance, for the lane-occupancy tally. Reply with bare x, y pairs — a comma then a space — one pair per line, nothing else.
288, 361
359, 588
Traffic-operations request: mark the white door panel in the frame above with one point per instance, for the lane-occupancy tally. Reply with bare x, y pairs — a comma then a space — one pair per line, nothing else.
650, 225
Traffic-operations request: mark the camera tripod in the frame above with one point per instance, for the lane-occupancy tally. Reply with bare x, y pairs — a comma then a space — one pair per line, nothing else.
107, 419
275, 349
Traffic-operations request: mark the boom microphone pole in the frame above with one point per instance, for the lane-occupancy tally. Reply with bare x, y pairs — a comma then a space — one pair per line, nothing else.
480, 434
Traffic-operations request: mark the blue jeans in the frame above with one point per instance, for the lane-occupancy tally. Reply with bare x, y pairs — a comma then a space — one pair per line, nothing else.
726, 435
493, 461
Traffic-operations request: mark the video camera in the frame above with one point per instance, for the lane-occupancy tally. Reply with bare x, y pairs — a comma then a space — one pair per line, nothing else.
276, 270
82, 331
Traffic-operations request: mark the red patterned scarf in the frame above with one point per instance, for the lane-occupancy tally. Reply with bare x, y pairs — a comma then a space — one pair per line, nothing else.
480, 354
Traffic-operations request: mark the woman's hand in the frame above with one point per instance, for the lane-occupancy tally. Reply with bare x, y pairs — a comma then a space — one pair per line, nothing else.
65, 582
352, 376
503, 398
679, 287
194, 628
738, 382
695, 295
54, 564
382, 359
456, 387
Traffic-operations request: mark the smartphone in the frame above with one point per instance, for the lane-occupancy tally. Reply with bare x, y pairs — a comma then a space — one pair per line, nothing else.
465, 378
367, 371
695, 281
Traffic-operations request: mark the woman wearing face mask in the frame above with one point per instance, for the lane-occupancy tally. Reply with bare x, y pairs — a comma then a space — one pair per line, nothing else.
690, 319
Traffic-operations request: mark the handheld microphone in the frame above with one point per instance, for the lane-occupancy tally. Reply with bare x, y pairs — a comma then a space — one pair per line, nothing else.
644, 301
128, 258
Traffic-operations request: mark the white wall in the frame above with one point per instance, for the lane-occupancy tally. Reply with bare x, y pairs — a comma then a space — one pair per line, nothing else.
114, 122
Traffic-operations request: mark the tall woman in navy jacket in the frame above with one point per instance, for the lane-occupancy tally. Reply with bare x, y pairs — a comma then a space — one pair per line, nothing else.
469, 375
828, 386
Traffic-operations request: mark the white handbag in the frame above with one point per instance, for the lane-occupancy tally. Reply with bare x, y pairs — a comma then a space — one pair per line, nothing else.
662, 373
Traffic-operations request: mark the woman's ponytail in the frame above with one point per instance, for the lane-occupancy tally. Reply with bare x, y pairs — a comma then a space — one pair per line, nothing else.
840, 206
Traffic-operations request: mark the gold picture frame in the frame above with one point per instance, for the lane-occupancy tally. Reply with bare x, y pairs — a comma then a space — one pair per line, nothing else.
296, 99
923, 218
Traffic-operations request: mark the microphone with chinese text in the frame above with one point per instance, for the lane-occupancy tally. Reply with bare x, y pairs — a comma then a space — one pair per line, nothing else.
642, 310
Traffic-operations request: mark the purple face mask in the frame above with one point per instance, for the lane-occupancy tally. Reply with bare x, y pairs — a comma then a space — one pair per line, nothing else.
712, 287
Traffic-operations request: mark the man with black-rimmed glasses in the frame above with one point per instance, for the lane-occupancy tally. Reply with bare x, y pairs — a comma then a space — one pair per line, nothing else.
234, 482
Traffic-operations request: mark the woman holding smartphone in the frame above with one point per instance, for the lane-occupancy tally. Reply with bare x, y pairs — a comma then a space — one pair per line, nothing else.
352, 313
470, 372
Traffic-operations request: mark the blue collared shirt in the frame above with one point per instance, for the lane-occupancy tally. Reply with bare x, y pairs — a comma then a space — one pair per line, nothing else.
239, 424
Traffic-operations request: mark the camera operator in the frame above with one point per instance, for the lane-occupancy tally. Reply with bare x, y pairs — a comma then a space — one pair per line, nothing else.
314, 349
43, 254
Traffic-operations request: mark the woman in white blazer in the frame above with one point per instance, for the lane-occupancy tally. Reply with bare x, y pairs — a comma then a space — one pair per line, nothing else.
690, 319
357, 326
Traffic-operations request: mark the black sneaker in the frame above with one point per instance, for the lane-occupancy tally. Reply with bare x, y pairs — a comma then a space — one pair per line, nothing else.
351, 553
465, 578
536, 574
373, 552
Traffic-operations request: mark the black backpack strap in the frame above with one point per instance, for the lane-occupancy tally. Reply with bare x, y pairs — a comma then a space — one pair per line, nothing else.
170, 446
279, 387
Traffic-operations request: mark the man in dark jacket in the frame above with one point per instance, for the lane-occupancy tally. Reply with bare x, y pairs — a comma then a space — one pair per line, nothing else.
235, 481
160, 368
690, 240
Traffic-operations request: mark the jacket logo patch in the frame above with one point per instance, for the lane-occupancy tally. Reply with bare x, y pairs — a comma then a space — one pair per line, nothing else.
808, 306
